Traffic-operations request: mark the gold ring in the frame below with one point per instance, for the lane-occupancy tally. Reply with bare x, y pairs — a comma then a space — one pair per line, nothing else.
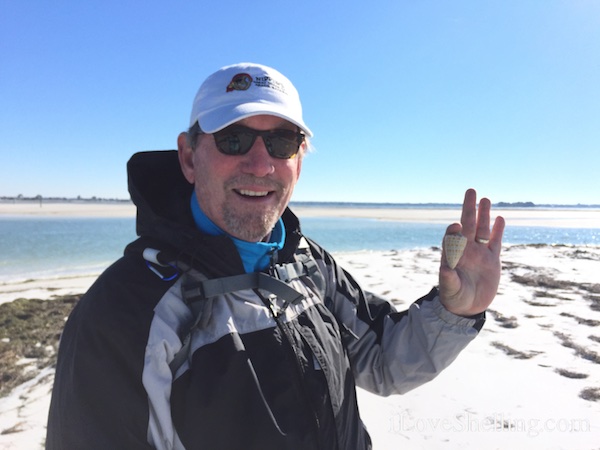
482, 241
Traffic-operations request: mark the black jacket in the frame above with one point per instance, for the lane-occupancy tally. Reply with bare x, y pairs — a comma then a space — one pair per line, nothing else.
262, 372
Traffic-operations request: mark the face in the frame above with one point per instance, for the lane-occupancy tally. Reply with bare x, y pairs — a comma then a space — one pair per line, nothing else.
244, 195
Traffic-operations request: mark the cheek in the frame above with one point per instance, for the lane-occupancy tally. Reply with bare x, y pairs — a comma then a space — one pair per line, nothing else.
211, 175
206, 179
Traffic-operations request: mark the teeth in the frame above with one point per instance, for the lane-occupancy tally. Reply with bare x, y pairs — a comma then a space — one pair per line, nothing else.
254, 193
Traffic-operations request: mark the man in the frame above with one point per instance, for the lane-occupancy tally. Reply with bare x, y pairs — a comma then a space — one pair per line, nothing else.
223, 327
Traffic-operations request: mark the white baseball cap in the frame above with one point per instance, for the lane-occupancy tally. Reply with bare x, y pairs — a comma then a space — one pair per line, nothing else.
244, 90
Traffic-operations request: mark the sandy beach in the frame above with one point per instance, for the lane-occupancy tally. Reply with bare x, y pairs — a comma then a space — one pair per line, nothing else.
563, 218
550, 217
530, 380
67, 209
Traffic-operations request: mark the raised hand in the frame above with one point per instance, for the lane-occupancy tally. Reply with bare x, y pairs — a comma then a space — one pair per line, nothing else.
470, 287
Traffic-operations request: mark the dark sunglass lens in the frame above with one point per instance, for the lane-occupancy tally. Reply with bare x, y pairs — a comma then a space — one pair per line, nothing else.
234, 142
237, 140
282, 148
284, 144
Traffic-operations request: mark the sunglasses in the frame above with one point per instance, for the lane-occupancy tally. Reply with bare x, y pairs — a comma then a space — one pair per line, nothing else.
238, 140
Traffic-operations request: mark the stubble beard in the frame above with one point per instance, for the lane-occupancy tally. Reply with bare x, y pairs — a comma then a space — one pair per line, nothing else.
251, 226
254, 224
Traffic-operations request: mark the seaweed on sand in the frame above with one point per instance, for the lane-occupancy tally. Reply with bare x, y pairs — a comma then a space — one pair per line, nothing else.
29, 334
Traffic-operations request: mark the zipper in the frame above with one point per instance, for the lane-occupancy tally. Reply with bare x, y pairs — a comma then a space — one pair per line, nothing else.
276, 312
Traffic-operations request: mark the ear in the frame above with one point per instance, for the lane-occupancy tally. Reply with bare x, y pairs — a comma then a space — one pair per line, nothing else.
186, 157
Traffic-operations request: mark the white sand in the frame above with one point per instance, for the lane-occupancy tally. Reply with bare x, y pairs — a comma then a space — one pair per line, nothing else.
487, 399
67, 209
46, 288
533, 217
555, 217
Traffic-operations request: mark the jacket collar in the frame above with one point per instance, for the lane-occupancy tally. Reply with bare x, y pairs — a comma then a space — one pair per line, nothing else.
162, 197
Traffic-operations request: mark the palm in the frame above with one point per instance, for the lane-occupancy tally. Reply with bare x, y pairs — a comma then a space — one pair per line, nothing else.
471, 286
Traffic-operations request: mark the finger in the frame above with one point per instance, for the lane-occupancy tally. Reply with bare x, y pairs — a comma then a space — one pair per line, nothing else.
496, 236
483, 220
469, 214
455, 228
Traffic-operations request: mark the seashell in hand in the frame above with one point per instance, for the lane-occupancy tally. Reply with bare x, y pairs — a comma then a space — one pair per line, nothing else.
454, 246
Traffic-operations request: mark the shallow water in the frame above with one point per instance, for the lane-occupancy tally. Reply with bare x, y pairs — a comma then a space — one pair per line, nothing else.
33, 248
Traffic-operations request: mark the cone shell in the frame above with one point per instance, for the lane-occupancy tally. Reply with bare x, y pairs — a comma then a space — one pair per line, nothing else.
454, 246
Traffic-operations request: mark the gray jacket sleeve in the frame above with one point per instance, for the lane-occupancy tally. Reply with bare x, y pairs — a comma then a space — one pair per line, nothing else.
393, 352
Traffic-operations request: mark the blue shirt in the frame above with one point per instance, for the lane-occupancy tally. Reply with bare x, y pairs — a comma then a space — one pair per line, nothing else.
256, 256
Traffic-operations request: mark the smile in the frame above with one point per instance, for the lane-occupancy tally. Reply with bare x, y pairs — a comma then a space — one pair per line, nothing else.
247, 193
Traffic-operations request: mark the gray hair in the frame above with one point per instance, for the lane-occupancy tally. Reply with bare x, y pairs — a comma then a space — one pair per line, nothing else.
192, 135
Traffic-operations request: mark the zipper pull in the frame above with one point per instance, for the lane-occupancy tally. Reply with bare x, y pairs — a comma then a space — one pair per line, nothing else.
275, 309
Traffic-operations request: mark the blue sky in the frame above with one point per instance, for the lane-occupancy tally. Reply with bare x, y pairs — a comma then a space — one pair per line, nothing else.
410, 101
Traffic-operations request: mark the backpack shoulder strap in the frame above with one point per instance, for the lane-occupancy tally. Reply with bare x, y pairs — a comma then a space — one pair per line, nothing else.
199, 292
305, 267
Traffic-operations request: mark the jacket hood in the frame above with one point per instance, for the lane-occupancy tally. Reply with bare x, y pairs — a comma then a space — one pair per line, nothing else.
164, 219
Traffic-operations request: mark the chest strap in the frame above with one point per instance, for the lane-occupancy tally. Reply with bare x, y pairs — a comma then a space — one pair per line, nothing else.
199, 292
206, 289
199, 296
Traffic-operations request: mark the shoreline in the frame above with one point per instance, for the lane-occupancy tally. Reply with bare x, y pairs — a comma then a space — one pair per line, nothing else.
543, 217
551, 218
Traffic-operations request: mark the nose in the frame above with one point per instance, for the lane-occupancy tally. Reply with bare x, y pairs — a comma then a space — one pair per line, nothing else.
257, 161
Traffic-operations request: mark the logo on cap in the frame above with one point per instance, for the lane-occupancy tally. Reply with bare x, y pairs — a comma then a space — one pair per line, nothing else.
240, 82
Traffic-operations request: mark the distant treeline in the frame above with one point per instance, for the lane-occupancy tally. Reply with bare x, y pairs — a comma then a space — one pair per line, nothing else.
94, 199
430, 205
515, 205
78, 199
533, 205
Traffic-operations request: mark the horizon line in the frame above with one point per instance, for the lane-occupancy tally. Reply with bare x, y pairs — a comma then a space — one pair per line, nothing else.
501, 204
